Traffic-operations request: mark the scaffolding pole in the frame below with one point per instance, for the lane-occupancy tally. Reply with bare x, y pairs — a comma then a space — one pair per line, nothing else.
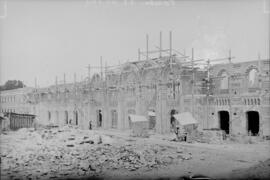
139, 54
147, 47
64, 78
101, 72
192, 64
160, 44
35, 82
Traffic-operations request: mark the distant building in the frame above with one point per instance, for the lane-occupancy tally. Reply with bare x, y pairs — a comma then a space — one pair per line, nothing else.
15, 100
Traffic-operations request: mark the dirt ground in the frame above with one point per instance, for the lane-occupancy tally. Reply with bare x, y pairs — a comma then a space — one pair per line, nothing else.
61, 153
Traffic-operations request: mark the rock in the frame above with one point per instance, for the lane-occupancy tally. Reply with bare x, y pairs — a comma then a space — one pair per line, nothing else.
89, 142
70, 145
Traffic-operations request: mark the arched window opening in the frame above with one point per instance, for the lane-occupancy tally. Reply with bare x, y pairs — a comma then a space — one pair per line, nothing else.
253, 78
224, 83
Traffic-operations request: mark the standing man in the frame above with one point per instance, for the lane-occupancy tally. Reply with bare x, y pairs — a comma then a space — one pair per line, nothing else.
90, 125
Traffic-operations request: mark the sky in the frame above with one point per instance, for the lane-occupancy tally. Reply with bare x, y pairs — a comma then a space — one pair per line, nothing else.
43, 39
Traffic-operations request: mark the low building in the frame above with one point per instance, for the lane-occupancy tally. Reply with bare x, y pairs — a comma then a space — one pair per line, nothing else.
15, 100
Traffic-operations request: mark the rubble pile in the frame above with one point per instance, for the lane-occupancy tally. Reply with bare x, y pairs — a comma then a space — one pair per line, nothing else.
67, 152
209, 136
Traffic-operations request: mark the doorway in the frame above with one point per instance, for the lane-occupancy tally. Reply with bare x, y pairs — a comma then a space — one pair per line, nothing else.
172, 118
99, 118
152, 119
49, 116
114, 118
57, 117
224, 121
130, 111
76, 117
253, 123
66, 117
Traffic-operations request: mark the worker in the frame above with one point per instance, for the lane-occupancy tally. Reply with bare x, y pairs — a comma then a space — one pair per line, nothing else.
90, 125
176, 131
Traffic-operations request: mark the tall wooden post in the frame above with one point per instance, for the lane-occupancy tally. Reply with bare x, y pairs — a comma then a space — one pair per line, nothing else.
139, 54
64, 78
192, 64
160, 44
147, 46
101, 71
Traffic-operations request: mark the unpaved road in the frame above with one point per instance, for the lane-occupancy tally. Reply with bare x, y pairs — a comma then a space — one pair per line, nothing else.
45, 154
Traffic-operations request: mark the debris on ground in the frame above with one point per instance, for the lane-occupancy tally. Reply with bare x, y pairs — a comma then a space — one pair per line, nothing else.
259, 171
66, 152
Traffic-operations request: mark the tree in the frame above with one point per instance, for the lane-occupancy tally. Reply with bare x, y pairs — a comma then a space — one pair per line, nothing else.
12, 84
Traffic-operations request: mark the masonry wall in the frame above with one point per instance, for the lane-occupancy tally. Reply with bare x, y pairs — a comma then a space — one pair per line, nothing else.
146, 86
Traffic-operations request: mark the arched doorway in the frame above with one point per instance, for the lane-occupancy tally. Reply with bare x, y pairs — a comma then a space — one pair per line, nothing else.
66, 117
49, 116
224, 121
253, 123
130, 111
172, 118
114, 115
152, 119
99, 118
76, 117
57, 117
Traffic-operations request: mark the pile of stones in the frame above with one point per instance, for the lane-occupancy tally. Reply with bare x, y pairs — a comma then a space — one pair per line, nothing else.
62, 153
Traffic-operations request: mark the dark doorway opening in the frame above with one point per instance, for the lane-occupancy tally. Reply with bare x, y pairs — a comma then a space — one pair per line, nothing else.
172, 118
224, 121
130, 111
99, 118
152, 119
66, 117
253, 123
76, 117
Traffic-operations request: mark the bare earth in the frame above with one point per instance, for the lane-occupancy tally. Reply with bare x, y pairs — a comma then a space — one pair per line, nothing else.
67, 152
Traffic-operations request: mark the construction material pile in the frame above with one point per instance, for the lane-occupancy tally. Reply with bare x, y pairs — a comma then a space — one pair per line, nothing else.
68, 152
207, 136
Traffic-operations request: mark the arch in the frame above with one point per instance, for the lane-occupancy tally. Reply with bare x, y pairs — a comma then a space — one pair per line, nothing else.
66, 117
172, 118
152, 118
224, 121
57, 117
130, 111
129, 67
114, 116
49, 116
96, 80
76, 117
224, 81
150, 76
99, 118
253, 77
253, 122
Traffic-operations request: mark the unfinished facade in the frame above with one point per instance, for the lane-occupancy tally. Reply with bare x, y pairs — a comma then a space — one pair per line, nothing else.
233, 97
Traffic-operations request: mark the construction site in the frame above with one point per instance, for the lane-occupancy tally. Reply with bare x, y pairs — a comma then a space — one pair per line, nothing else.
165, 115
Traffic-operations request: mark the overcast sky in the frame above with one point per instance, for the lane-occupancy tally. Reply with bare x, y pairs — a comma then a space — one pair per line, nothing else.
45, 39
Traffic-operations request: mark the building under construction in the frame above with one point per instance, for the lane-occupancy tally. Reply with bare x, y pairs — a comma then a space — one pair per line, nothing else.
230, 96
